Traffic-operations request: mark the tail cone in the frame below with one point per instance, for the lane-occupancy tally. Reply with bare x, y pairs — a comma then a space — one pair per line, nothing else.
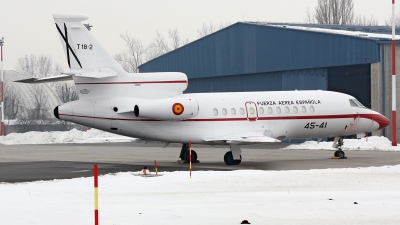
56, 112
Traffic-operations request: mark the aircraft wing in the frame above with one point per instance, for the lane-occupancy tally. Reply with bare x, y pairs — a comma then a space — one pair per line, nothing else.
243, 138
62, 77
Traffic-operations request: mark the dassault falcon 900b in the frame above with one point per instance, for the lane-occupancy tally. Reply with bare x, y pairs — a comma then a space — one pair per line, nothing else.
152, 106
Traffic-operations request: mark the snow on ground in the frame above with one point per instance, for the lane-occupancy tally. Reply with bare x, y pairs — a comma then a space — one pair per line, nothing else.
325, 196
57, 137
370, 143
98, 136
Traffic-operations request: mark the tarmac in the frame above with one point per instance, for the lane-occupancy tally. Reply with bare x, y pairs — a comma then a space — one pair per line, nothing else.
24, 163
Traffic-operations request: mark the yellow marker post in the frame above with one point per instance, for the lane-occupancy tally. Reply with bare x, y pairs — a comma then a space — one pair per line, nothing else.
190, 159
155, 166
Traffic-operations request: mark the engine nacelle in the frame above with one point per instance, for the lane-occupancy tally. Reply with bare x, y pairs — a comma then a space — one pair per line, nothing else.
168, 109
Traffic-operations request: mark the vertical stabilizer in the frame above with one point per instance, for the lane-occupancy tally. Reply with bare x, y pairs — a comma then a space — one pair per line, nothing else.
84, 54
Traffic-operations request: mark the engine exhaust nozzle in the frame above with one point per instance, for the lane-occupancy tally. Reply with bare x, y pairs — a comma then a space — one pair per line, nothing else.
56, 112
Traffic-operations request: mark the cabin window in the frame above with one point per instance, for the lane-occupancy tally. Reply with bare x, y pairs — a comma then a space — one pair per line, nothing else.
270, 111
303, 109
261, 110
312, 109
278, 110
233, 111
251, 111
295, 109
241, 111
287, 110
224, 112
215, 111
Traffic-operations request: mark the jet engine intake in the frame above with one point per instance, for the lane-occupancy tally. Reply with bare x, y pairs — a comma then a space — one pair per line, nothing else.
168, 109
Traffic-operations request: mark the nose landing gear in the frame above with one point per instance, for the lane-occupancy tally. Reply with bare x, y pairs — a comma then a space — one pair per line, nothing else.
338, 143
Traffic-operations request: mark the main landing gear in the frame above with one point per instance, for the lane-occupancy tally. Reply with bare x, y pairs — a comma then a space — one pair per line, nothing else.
338, 143
185, 154
233, 157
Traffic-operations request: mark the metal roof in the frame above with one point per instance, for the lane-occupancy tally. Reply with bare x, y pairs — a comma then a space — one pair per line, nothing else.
250, 48
351, 28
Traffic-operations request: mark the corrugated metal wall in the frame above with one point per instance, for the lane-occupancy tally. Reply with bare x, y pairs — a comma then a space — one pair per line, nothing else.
245, 48
311, 79
352, 80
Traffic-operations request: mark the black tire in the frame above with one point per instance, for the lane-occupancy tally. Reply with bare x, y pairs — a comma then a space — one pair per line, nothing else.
184, 149
226, 156
228, 159
194, 156
341, 154
336, 153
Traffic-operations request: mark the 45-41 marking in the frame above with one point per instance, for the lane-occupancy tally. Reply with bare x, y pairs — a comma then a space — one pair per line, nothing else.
314, 125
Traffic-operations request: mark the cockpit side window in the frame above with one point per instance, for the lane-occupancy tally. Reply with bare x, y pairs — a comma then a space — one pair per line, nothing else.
359, 103
353, 103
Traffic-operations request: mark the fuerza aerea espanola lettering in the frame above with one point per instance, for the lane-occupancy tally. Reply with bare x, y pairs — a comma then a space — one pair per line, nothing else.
266, 103
308, 101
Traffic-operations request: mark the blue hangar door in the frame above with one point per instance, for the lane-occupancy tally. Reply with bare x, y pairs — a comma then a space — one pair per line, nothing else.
353, 80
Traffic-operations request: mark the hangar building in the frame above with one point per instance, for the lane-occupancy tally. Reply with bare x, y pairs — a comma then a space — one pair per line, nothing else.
253, 56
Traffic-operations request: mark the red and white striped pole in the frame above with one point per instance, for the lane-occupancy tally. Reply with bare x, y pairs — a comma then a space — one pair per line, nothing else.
96, 195
394, 127
2, 88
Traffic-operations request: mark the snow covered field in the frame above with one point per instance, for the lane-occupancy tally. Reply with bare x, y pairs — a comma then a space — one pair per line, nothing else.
97, 136
261, 197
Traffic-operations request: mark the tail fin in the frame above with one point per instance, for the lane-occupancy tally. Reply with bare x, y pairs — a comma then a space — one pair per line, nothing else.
84, 53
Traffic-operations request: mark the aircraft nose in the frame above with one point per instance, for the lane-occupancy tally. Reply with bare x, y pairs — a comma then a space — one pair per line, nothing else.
381, 120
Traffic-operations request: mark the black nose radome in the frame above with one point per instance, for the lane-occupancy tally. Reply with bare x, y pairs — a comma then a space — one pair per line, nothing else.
56, 112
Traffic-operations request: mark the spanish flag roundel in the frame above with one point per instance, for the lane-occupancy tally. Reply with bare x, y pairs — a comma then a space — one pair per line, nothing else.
177, 109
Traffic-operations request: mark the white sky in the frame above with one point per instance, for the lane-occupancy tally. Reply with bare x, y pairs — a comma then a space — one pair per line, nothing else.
28, 26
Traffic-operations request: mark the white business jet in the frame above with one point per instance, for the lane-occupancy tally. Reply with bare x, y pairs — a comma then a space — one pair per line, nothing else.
152, 106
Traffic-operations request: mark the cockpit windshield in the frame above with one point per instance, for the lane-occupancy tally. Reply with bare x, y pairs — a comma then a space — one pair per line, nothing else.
355, 103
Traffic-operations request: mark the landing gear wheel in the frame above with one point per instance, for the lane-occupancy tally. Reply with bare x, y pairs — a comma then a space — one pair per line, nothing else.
194, 156
228, 158
340, 154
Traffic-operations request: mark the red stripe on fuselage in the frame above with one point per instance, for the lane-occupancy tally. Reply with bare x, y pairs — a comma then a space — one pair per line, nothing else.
142, 82
374, 117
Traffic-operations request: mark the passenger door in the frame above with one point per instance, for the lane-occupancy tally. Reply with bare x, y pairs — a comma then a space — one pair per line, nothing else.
251, 111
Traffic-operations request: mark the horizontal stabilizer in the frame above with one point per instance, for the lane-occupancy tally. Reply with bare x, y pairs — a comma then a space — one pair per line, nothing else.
245, 138
46, 79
